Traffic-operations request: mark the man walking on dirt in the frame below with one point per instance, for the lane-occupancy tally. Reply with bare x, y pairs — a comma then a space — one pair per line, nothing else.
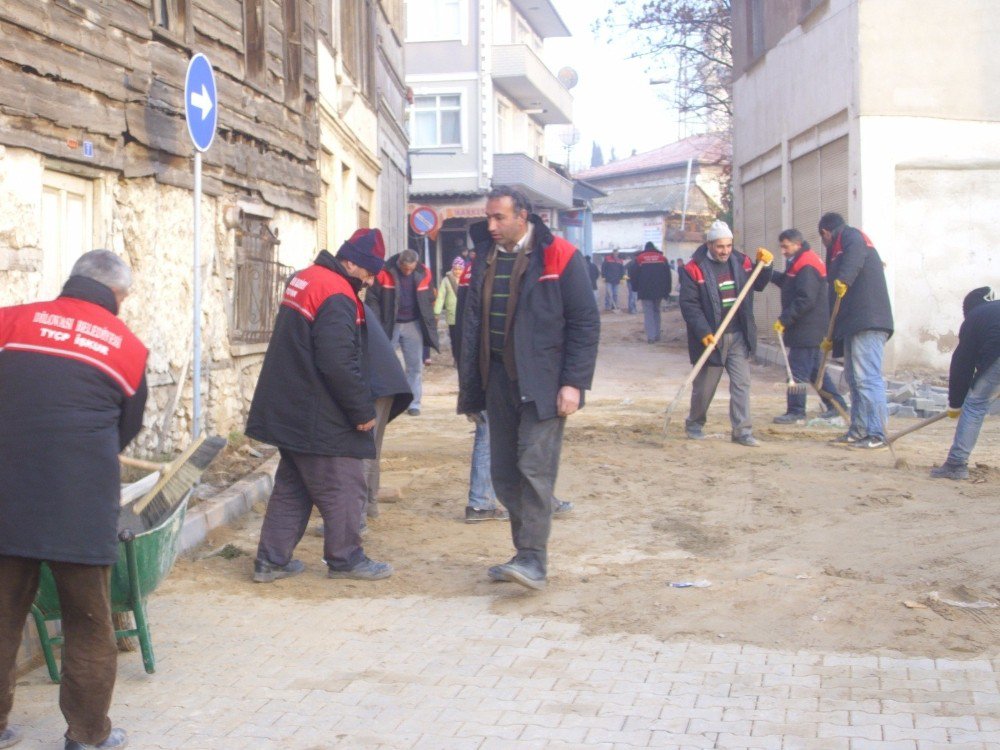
974, 380
612, 271
73, 381
862, 327
710, 283
653, 285
805, 316
314, 401
530, 330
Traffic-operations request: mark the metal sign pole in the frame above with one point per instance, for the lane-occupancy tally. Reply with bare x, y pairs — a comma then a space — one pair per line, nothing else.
196, 372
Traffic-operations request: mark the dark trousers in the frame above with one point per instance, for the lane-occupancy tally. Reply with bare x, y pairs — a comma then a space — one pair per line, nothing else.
453, 335
524, 461
336, 486
89, 654
804, 361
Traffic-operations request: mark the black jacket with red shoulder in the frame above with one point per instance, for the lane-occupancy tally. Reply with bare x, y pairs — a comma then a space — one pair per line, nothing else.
701, 305
804, 309
853, 259
651, 277
556, 325
314, 387
384, 296
72, 394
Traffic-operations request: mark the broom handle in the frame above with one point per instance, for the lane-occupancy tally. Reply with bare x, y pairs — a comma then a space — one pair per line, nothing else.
718, 335
784, 352
167, 475
829, 337
138, 463
918, 426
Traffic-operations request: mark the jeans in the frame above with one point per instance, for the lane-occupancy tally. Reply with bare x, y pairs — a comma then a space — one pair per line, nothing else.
863, 367
411, 342
633, 302
481, 495
372, 466
610, 296
984, 389
736, 361
804, 361
651, 319
89, 653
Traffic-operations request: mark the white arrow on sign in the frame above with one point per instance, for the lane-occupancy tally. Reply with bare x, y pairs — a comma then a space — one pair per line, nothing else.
202, 101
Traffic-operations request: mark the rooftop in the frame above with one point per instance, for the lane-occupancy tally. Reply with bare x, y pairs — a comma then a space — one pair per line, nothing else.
703, 149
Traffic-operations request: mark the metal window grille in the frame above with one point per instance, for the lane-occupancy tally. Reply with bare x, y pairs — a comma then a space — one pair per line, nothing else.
260, 281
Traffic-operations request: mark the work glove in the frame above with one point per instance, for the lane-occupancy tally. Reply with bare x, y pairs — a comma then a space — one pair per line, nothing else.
839, 287
779, 327
476, 417
764, 256
826, 345
708, 340
953, 413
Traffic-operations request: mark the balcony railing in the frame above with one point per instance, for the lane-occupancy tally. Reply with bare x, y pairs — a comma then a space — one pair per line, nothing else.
520, 74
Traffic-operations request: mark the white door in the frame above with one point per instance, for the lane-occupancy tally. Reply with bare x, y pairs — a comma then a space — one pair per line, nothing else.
67, 227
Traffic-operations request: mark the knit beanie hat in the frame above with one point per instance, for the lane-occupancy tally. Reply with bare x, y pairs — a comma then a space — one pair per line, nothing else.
974, 299
365, 248
719, 231
458, 262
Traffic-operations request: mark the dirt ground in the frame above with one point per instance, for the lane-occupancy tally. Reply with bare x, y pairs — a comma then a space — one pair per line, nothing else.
805, 545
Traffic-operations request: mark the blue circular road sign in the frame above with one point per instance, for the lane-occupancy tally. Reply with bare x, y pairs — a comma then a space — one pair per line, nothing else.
201, 103
423, 219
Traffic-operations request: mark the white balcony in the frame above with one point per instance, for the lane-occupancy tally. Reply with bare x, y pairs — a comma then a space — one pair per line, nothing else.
522, 76
542, 185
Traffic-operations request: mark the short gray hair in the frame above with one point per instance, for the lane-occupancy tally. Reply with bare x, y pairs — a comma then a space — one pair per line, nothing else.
105, 267
408, 256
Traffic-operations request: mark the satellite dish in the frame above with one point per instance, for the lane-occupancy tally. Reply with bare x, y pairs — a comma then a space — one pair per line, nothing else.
568, 77
570, 136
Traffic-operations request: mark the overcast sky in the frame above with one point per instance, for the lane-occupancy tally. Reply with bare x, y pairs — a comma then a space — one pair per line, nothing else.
614, 103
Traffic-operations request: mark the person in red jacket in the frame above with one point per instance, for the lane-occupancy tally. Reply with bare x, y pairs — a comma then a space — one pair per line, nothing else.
73, 385
314, 402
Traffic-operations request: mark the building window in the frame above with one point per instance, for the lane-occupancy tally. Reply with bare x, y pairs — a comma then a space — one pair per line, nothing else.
755, 28
172, 16
260, 281
293, 50
437, 120
254, 38
358, 43
434, 20
67, 226
503, 127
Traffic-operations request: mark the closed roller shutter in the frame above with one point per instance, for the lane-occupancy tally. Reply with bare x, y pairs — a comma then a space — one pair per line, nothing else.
767, 305
806, 197
833, 187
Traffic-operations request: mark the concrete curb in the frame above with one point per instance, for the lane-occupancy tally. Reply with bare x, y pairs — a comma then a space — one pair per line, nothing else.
228, 505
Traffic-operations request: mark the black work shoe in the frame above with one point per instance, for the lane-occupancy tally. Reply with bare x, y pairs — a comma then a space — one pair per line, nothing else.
848, 438
366, 570
830, 414
413, 412
519, 571
747, 441
117, 740
9, 737
694, 433
944, 471
790, 419
475, 515
562, 507
870, 443
265, 572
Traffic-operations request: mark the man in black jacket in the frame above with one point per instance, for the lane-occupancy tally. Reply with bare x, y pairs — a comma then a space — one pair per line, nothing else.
530, 329
403, 292
314, 401
974, 380
805, 316
710, 283
653, 285
862, 328
73, 385
612, 271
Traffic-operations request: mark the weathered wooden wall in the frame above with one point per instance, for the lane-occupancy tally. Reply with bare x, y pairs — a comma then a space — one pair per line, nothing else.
101, 71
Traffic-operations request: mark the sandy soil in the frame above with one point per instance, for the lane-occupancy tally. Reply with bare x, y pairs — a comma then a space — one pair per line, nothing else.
805, 545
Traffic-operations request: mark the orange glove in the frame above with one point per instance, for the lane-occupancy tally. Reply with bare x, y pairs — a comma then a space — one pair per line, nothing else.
764, 256
708, 340
839, 287
953, 413
826, 345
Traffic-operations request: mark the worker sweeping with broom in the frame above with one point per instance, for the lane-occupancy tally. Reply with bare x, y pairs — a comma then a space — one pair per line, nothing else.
711, 285
804, 317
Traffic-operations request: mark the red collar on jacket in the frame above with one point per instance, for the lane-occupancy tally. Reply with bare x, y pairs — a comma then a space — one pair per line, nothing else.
803, 259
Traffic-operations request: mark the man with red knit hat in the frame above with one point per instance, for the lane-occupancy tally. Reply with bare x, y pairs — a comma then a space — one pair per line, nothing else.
314, 401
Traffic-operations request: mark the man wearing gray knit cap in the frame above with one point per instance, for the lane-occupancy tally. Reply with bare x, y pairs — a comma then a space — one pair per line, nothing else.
710, 283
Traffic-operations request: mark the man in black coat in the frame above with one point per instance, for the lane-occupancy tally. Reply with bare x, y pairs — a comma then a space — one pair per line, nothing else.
530, 329
404, 292
653, 285
862, 328
710, 283
974, 380
72, 393
314, 401
612, 271
805, 316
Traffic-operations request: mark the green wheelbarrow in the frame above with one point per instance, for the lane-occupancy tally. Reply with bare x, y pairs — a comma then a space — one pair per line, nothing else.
144, 560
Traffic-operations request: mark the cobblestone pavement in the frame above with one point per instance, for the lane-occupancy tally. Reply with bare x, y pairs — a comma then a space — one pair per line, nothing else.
241, 673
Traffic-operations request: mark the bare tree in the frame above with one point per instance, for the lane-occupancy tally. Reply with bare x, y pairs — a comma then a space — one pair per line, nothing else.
689, 46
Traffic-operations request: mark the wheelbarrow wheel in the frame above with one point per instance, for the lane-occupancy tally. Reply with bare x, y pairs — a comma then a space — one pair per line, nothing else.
123, 621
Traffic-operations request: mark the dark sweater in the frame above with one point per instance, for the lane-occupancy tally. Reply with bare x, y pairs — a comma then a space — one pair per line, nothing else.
978, 348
